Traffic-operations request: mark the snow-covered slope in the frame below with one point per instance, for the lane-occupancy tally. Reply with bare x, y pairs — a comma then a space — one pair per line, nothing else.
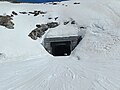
93, 65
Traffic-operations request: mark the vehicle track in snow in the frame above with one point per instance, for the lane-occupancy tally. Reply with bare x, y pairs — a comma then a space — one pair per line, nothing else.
65, 73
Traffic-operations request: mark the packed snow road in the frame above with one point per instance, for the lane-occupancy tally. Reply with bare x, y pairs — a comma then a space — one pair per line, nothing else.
61, 73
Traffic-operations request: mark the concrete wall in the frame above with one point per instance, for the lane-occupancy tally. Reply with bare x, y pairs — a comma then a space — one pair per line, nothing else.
73, 39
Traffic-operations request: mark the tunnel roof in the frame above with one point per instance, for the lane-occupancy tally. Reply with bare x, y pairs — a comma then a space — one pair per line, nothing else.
62, 31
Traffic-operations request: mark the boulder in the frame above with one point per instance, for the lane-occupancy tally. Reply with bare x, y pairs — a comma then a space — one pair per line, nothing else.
76, 2
23, 12
33, 34
73, 22
36, 13
38, 25
52, 24
14, 13
6, 21
66, 22
40, 30
56, 18
50, 18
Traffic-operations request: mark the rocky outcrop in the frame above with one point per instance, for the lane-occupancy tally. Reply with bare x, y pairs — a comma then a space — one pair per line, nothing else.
52, 24
54, 3
76, 2
35, 13
14, 13
69, 21
6, 21
40, 30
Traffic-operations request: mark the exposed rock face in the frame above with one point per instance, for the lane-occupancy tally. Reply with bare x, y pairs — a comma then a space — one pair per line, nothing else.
77, 3
52, 24
23, 12
40, 30
6, 21
73, 22
69, 21
66, 22
14, 13
35, 13
56, 18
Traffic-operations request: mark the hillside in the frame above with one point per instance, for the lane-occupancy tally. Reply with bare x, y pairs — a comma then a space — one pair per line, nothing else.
93, 65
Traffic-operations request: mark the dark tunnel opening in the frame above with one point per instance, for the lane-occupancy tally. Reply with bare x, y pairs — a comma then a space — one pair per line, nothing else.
61, 48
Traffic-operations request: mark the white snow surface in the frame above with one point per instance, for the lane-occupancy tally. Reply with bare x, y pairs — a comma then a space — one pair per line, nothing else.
93, 65
63, 30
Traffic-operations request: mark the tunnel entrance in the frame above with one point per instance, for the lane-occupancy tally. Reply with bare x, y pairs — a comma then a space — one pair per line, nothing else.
61, 48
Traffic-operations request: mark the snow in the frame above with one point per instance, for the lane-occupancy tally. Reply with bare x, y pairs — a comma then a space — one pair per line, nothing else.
93, 65
62, 30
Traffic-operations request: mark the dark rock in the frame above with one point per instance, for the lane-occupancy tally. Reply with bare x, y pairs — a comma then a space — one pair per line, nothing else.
11, 15
43, 15
41, 12
49, 18
36, 13
38, 25
14, 13
52, 24
31, 12
73, 22
78, 58
65, 23
23, 12
40, 30
56, 18
44, 27
40, 33
9, 25
33, 35
54, 3
6, 21
82, 27
77, 3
